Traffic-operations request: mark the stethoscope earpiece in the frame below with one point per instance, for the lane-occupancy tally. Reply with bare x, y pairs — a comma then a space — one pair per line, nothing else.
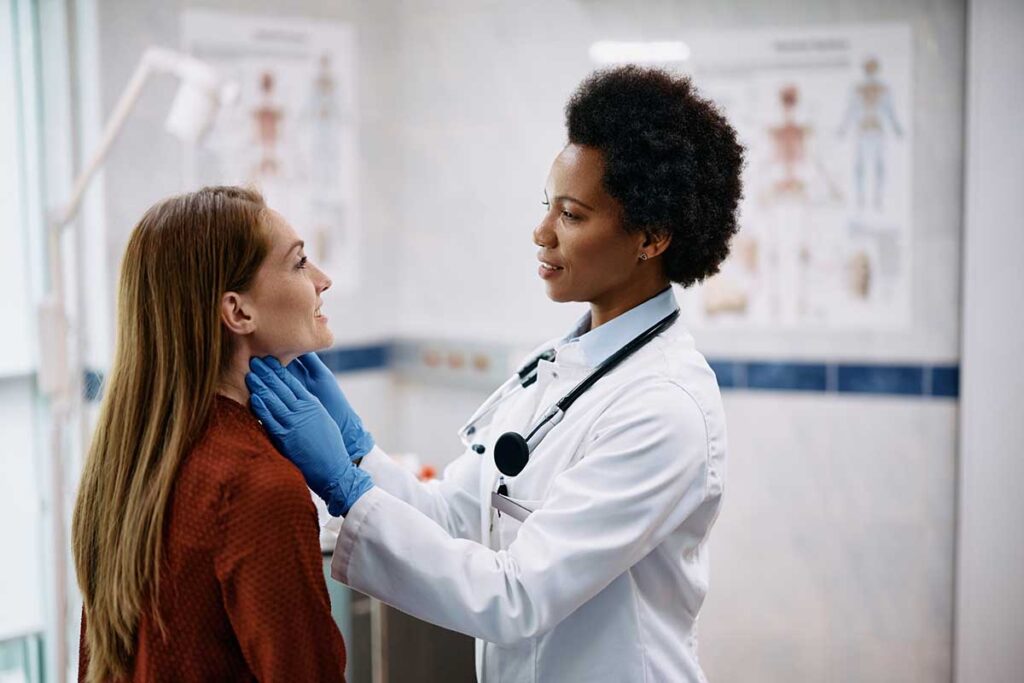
511, 453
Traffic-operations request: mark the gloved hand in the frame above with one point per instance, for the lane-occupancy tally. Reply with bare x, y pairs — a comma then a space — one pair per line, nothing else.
320, 381
305, 433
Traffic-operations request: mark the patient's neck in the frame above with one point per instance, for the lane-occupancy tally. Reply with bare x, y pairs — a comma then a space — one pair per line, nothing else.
232, 380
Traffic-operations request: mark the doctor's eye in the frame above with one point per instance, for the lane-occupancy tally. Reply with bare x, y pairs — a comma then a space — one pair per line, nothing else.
302, 262
569, 216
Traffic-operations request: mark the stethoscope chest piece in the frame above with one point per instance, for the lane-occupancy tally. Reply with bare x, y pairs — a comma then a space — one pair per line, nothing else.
511, 453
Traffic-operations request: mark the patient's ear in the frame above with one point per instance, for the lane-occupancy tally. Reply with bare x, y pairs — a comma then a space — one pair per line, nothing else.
237, 314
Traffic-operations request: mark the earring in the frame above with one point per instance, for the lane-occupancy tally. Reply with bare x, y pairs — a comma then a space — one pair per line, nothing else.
643, 255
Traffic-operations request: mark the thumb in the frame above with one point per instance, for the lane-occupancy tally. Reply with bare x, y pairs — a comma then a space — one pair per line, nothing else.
315, 365
298, 369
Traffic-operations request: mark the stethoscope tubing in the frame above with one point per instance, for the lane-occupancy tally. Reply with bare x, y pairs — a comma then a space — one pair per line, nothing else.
526, 375
512, 451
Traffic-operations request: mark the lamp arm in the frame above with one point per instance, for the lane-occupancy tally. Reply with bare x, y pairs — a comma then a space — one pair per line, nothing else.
154, 59
114, 124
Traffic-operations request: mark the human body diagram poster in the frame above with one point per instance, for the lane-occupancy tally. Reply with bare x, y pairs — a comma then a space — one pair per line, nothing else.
292, 131
825, 238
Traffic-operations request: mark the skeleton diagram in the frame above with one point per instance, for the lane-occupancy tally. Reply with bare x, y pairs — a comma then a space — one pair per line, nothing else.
789, 143
267, 117
870, 113
326, 119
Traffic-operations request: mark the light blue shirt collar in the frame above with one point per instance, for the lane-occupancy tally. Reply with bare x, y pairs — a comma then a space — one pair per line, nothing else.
597, 345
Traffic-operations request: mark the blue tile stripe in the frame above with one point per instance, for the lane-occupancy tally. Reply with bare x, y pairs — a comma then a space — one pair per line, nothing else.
340, 359
881, 379
92, 385
355, 358
946, 381
786, 376
842, 378
902, 380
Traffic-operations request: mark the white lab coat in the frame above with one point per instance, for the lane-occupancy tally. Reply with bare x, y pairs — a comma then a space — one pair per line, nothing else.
603, 582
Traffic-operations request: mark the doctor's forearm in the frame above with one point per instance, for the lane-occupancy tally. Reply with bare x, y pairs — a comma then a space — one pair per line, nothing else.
452, 582
428, 498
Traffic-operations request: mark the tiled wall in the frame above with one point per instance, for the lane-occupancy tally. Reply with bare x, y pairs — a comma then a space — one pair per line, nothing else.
844, 378
833, 556
831, 560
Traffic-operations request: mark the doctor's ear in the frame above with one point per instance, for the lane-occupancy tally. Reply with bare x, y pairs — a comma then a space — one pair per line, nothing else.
236, 314
655, 244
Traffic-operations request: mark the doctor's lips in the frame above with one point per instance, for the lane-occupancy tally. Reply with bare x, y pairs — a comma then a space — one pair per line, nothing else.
548, 269
318, 313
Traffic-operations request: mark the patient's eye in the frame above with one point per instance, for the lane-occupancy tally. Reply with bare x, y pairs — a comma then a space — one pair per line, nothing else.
302, 262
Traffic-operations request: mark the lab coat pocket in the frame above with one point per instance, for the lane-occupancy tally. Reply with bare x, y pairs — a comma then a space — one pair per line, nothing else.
508, 525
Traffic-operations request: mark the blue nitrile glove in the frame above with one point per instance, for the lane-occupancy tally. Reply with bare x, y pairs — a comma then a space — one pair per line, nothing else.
304, 432
320, 381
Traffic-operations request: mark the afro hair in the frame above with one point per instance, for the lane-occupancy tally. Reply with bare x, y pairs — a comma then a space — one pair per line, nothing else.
671, 160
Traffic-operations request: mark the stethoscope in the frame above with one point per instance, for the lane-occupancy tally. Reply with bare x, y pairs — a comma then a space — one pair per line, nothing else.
512, 450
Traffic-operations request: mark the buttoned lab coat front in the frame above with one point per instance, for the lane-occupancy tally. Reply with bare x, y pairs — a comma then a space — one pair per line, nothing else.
604, 580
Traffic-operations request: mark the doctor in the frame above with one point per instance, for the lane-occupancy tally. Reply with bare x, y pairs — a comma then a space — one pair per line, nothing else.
584, 557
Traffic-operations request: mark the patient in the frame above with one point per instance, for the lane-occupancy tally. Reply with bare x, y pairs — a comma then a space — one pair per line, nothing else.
196, 543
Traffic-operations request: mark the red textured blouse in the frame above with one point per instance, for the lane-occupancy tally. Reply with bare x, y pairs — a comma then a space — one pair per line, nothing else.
242, 590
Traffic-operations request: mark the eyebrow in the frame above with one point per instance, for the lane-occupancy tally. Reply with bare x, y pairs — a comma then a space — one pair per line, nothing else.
562, 197
298, 243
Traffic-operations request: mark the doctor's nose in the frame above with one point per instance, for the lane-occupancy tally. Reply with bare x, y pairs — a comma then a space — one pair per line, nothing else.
544, 234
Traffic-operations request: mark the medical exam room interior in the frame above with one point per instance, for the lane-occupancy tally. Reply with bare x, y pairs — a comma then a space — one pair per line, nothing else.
865, 330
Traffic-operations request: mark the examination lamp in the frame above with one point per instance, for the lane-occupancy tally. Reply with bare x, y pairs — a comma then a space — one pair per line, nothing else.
200, 95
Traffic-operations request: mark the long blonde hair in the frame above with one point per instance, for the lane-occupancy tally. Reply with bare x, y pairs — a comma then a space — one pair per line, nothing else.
171, 352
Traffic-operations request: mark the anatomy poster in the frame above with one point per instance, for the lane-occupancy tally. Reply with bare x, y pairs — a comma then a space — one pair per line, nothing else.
825, 238
292, 132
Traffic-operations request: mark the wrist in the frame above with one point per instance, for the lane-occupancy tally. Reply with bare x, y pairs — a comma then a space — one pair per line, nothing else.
361, 446
343, 492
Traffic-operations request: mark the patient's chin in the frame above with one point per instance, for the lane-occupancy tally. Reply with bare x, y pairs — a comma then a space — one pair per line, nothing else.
325, 341
287, 350
322, 343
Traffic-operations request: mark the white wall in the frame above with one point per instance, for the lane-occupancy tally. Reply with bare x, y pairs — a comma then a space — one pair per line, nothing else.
21, 526
990, 554
15, 349
24, 514
483, 94
832, 558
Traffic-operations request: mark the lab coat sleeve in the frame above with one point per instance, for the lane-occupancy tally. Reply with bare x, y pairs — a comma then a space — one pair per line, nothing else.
452, 501
643, 474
